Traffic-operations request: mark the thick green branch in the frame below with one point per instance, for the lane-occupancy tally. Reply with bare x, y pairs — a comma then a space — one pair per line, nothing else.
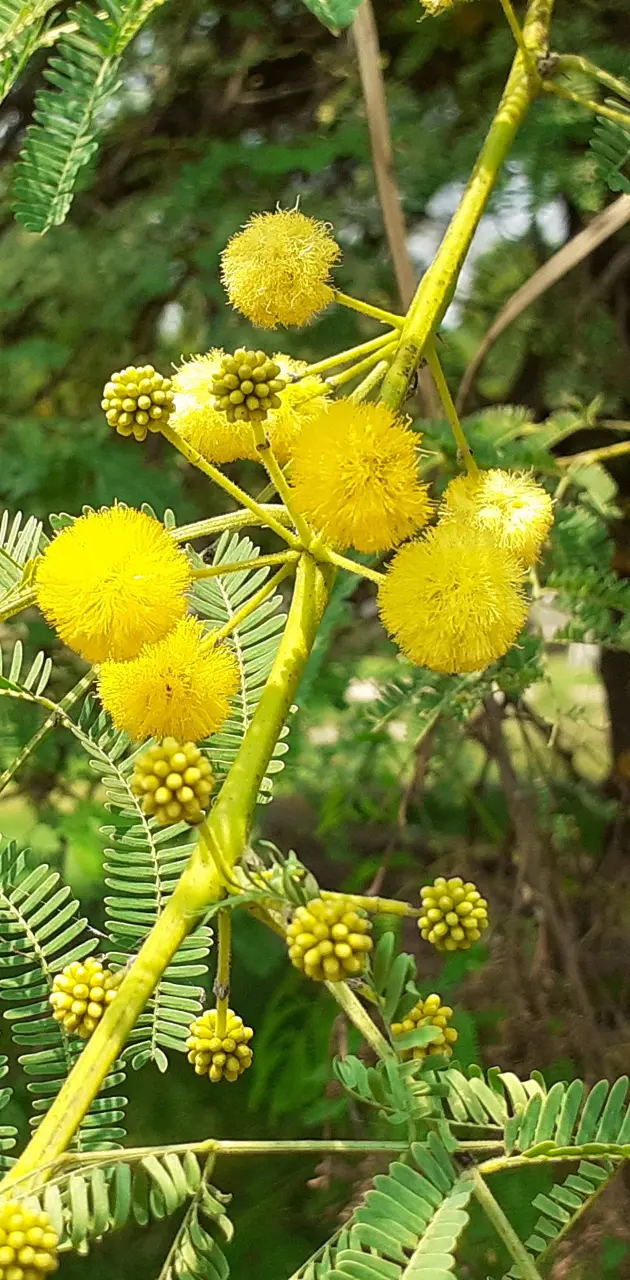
227, 827
438, 283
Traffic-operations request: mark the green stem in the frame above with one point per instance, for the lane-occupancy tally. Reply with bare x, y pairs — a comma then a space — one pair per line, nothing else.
352, 354
386, 352
222, 980
598, 108
575, 62
15, 602
252, 604
518, 34
366, 309
386, 906
241, 566
371, 380
352, 566
279, 481
55, 716
200, 884
361, 1019
196, 460
449, 408
269, 514
438, 283
504, 1229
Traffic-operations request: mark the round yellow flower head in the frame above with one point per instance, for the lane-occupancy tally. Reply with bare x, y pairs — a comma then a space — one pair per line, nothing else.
80, 994
454, 600
180, 687
329, 940
516, 511
208, 430
175, 782
276, 269
111, 582
220, 1057
429, 1012
355, 476
28, 1244
454, 914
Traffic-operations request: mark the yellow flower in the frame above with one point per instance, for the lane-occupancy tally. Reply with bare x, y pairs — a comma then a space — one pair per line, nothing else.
223, 1057
28, 1242
355, 476
454, 914
80, 995
276, 269
454, 601
208, 430
111, 582
508, 504
180, 687
429, 1012
195, 418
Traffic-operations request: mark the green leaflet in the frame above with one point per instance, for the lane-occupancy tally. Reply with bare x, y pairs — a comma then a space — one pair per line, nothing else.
41, 932
610, 144
18, 544
335, 14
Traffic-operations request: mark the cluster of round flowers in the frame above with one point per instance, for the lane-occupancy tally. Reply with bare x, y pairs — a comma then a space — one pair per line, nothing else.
429, 1012
174, 781
329, 940
454, 914
137, 400
80, 994
28, 1243
223, 1056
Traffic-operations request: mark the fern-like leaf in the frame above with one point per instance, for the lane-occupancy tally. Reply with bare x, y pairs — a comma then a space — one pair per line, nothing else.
610, 145
255, 644
41, 932
8, 1132
18, 544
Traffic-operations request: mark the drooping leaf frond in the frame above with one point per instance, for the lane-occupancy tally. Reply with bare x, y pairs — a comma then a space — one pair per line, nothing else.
8, 1132
143, 862
196, 1253
255, 643
41, 932
22, 27
610, 145
560, 1206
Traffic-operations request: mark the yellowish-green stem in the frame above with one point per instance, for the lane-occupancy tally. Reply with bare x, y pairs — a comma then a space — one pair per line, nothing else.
514, 26
352, 566
360, 1018
269, 514
575, 62
242, 566
252, 604
352, 353
222, 980
449, 408
527, 1269
598, 108
370, 381
15, 602
385, 353
191, 455
382, 906
438, 283
281, 485
200, 884
366, 309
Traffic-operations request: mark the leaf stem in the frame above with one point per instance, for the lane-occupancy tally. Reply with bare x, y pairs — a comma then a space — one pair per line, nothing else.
352, 566
598, 108
233, 520
222, 980
371, 380
265, 515
241, 566
504, 1229
366, 309
56, 715
352, 353
279, 481
575, 62
15, 602
386, 352
361, 1019
252, 604
449, 408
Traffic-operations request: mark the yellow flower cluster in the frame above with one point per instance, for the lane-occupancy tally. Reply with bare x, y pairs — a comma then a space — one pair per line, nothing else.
276, 269
454, 914
220, 1057
175, 782
429, 1012
80, 994
354, 476
510, 506
111, 582
28, 1244
137, 400
247, 385
329, 940
217, 439
180, 687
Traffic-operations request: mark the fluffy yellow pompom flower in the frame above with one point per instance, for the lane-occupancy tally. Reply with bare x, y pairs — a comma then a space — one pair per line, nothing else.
180, 687
355, 476
276, 269
111, 582
208, 430
510, 505
454, 601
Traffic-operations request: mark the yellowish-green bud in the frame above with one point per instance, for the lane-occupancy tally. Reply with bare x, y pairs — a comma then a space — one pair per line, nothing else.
454, 914
137, 400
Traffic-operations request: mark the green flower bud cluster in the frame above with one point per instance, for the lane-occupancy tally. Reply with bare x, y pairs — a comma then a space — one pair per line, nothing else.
329, 939
247, 386
428, 1013
137, 400
80, 994
454, 914
28, 1244
223, 1057
175, 782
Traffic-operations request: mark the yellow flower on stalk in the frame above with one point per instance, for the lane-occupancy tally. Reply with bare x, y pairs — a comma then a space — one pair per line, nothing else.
208, 430
510, 505
111, 582
276, 269
355, 476
454, 601
180, 687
